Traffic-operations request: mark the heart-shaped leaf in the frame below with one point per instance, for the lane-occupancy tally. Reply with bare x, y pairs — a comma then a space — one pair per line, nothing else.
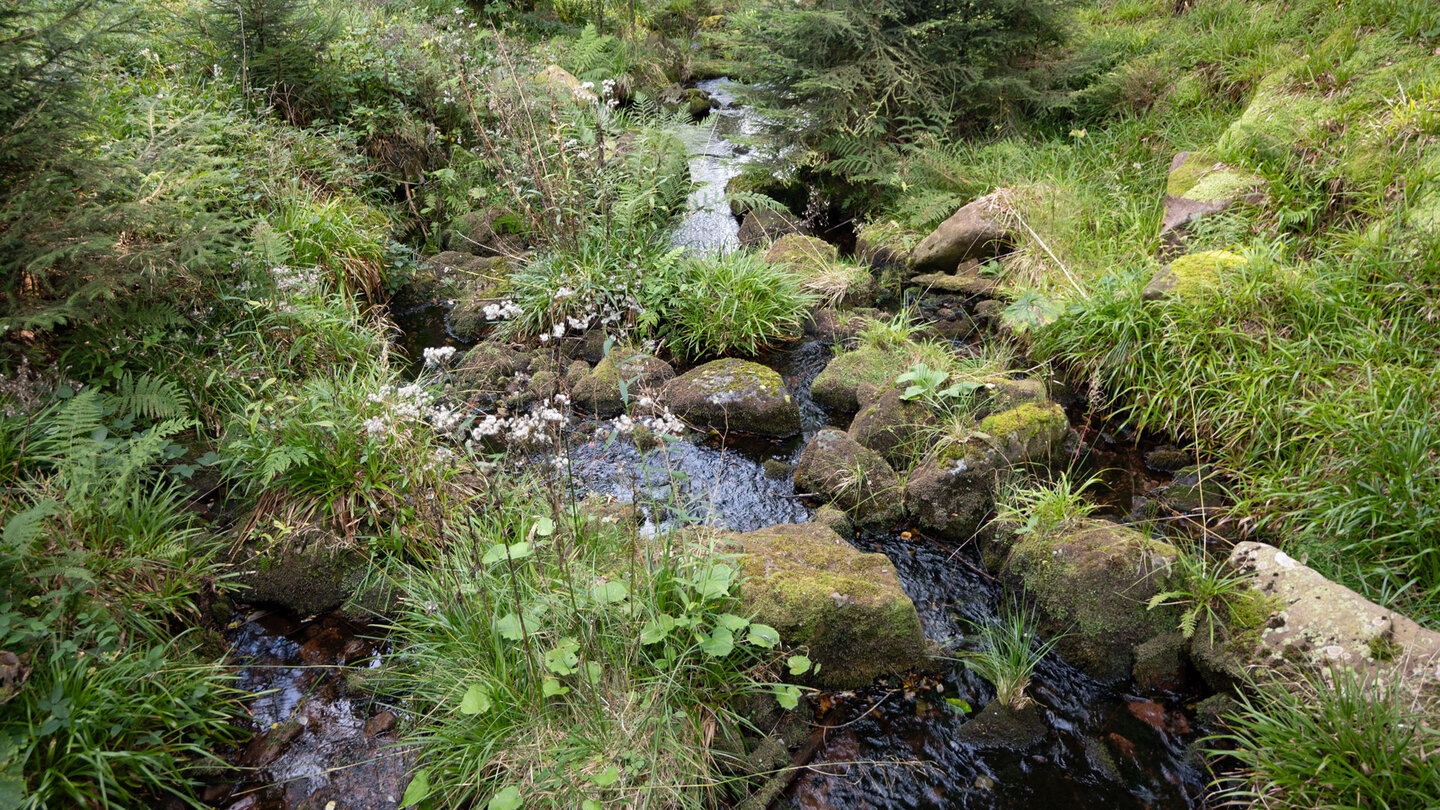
476, 700
763, 635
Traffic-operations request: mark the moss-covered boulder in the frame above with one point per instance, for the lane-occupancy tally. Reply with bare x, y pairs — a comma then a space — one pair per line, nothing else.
854, 478
1093, 581
838, 386
599, 391
801, 253
1032, 432
1192, 274
966, 283
489, 370
845, 607
486, 286
834, 519
762, 226
899, 430
1004, 393
1199, 185
734, 395
885, 244
952, 490
976, 231
304, 577
1318, 624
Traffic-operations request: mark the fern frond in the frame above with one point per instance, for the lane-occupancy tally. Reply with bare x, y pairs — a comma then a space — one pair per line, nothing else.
150, 396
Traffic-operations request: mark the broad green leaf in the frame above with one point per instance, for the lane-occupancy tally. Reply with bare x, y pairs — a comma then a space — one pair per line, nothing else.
592, 672
719, 643
550, 687
713, 581
417, 790
590, 804
763, 635
787, 696
476, 700
563, 659
501, 551
544, 527
657, 629
509, 627
607, 777
507, 799
732, 622
608, 593
958, 706
799, 664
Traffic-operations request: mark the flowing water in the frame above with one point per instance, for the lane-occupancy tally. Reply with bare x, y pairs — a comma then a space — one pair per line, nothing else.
896, 745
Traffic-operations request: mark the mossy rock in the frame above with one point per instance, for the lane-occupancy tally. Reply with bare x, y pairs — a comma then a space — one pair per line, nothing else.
489, 370
1192, 274
488, 232
952, 490
898, 429
792, 194
1032, 432
1194, 487
885, 244
837, 387
854, 478
598, 392
487, 285
1201, 176
844, 607
999, 726
1093, 581
1003, 394
835, 519
969, 284
734, 395
1159, 662
304, 578
761, 227
801, 253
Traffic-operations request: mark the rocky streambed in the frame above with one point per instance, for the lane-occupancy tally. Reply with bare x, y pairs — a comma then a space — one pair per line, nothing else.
851, 514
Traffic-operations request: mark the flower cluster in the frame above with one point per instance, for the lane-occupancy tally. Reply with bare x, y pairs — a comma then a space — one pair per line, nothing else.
295, 279
660, 421
502, 311
525, 430
439, 355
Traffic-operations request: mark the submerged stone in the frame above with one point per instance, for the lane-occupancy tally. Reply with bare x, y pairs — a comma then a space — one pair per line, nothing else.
999, 726
734, 395
845, 607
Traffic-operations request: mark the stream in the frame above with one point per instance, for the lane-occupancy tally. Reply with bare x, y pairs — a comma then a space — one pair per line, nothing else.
322, 743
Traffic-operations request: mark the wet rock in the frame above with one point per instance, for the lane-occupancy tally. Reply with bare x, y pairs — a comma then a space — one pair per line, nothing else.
1192, 274
988, 312
973, 232
999, 726
1319, 624
837, 386
950, 323
835, 519
734, 395
1148, 712
305, 577
1194, 488
827, 324
854, 478
599, 392
845, 607
382, 723
899, 430
968, 283
1167, 459
488, 370
885, 244
1218, 661
761, 227
267, 746
777, 469
1093, 581
1160, 662
486, 286
1212, 711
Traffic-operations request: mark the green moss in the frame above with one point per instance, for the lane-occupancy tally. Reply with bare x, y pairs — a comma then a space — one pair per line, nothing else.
836, 387
802, 253
1189, 172
1384, 648
1027, 420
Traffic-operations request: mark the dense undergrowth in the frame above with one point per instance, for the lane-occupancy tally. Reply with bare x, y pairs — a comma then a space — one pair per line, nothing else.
204, 208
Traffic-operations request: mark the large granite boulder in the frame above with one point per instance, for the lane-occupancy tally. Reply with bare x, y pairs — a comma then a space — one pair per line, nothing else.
1317, 624
1093, 581
854, 478
734, 395
976, 231
845, 607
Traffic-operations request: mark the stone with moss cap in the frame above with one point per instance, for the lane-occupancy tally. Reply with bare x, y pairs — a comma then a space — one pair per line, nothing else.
846, 608
1093, 580
854, 478
801, 253
837, 387
600, 392
1192, 274
734, 395
1199, 185
1031, 432
1318, 624
896, 428
489, 369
